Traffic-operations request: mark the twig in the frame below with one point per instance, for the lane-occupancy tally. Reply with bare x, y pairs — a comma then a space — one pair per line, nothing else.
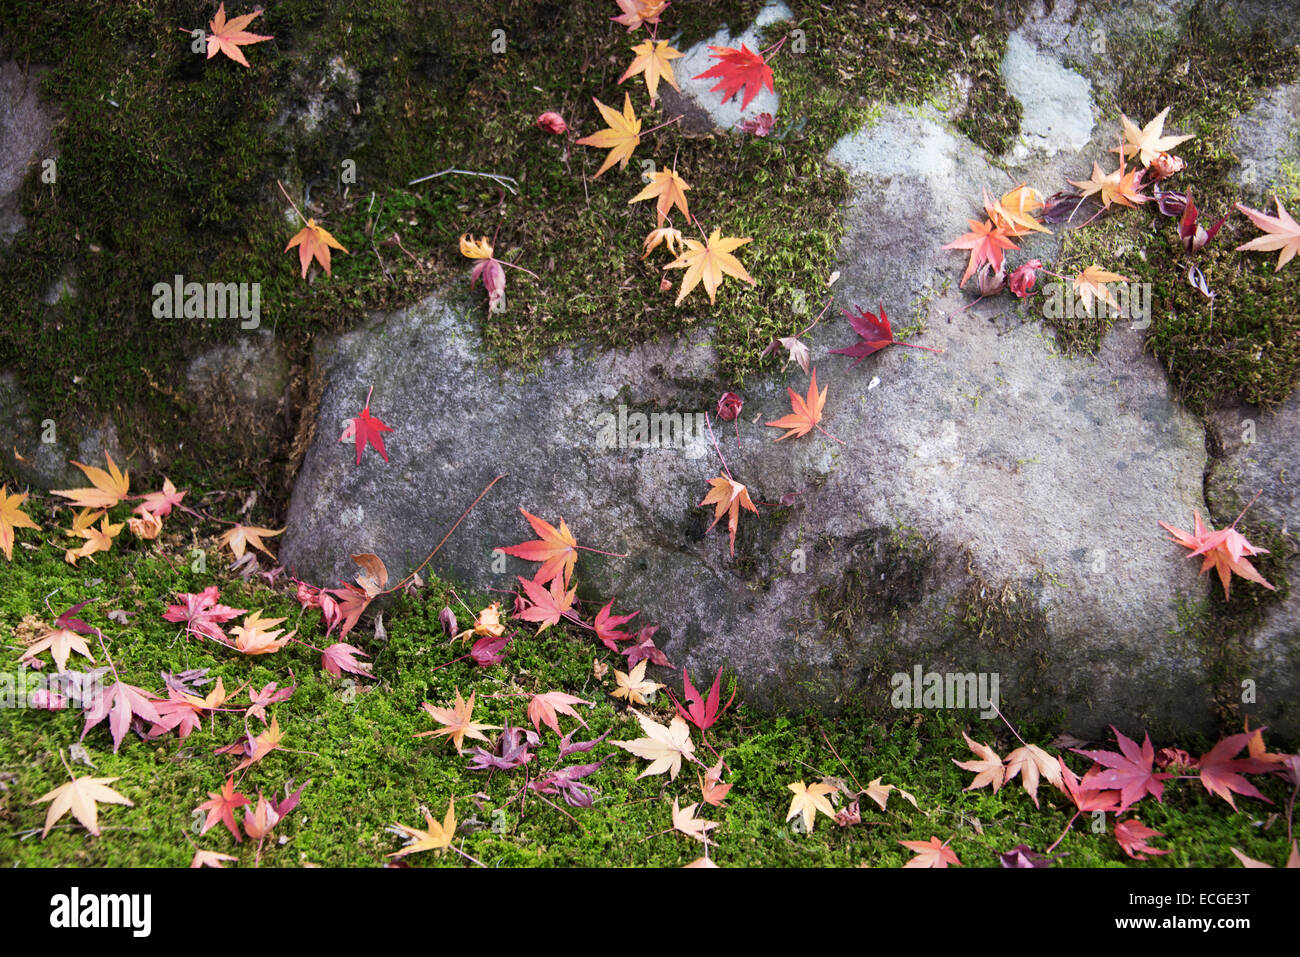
463, 514
498, 178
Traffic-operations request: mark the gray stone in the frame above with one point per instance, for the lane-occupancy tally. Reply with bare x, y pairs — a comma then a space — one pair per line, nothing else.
45, 464
24, 138
1057, 102
1268, 143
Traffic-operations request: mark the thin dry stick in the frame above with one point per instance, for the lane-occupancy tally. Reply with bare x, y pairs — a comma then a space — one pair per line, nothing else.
463, 514
498, 178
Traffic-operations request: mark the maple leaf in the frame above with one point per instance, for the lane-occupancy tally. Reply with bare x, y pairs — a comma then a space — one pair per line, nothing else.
1193, 235
634, 686
366, 428
459, 722
637, 12
700, 712
314, 242
161, 503
1131, 770
227, 36
269, 695
797, 349
1030, 762
880, 793
1223, 552
567, 783
261, 820
1283, 233
737, 70
259, 747
97, 540
547, 607
709, 262
543, 708
340, 657
80, 795
354, 599
930, 853
606, 625
663, 746
728, 497
121, 702
667, 189
488, 651
568, 746
807, 412
645, 648
1292, 861
221, 806
1147, 143
109, 487
60, 643
1119, 186
1220, 773
258, 636
1091, 283
671, 238
621, 137
557, 550
241, 536
487, 624
210, 858
684, 820
986, 243
989, 769
1085, 796
489, 270
1132, 836
12, 516
654, 59
203, 614
510, 752
874, 333
1024, 856
1014, 211
808, 800
711, 787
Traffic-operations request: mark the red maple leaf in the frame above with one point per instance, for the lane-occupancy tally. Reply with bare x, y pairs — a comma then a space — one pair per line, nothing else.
1132, 836
340, 657
366, 428
986, 243
736, 69
547, 607
1220, 771
222, 808
1085, 795
1131, 771
606, 624
700, 712
203, 614
122, 701
874, 333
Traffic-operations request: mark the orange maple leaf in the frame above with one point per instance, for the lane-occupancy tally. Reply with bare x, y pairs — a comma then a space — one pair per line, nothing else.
227, 36
12, 516
1225, 551
459, 722
1120, 186
653, 58
930, 853
314, 242
729, 496
667, 189
708, 262
807, 412
557, 550
986, 243
109, 487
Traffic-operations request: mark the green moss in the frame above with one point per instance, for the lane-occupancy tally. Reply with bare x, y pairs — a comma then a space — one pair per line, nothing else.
1246, 341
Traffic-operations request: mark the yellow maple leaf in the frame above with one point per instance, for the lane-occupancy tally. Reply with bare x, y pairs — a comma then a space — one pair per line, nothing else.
242, 536
12, 516
709, 262
654, 59
472, 248
60, 643
663, 746
314, 242
1014, 211
1147, 143
1091, 284
80, 795
667, 189
97, 540
259, 636
1119, 186
437, 838
808, 800
634, 686
621, 137
671, 238
109, 487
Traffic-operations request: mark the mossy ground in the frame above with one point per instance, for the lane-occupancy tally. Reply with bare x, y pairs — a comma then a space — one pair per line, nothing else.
356, 743
168, 162
1246, 341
